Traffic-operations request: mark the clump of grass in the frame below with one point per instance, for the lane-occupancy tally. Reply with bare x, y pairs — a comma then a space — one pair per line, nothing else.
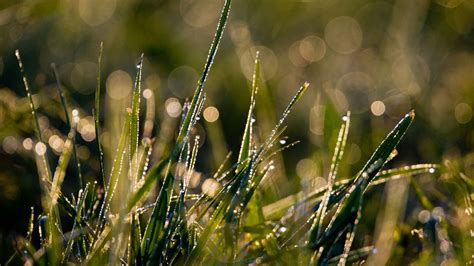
228, 225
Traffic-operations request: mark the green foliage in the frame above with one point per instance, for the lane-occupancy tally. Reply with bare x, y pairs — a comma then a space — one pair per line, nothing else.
227, 225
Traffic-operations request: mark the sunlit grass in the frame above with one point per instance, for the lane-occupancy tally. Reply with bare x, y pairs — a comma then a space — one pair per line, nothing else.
228, 222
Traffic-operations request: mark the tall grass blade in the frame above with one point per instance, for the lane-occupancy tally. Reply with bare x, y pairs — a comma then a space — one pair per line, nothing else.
316, 228
44, 156
150, 178
54, 223
195, 102
77, 220
97, 114
68, 121
156, 223
135, 123
116, 169
247, 137
271, 138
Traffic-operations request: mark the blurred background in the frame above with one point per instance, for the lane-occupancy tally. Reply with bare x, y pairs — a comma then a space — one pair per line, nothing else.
378, 59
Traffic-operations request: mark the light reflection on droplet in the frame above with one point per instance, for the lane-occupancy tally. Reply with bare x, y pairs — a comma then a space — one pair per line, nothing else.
118, 85
10, 144
268, 62
239, 33
182, 81
40, 148
424, 216
377, 108
210, 186
173, 107
343, 35
28, 144
312, 48
199, 13
211, 114
95, 13
56, 142
306, 168
86, 127
147, 93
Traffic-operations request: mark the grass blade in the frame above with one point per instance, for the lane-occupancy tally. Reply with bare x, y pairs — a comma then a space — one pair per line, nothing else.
116, 169
135, 122
96, 112
315, 230
68, 121
192, 112
44, 156
247, 137
383, 151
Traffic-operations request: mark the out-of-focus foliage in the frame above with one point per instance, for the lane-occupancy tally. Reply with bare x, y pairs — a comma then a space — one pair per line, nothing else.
378, 59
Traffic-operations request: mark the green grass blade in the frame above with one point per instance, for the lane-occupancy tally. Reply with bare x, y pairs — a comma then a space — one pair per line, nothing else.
134, 253
44, 157
60, 171
156, 223
54, 222
116, 169
267, 144
68, 121
316, 228
247, 136
381, 178
135, 123
143, 159
192, 113
383, 151
351, 234
150, 178
97, 114
79, 206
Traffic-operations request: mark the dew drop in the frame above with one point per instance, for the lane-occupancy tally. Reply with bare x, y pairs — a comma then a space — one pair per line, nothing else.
431, 170
40, 148
282, 142
344, 118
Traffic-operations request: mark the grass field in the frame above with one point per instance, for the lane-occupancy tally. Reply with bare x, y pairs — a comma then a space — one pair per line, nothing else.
127, 171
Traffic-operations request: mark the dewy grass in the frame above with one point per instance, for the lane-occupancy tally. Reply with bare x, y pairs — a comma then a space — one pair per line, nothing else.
228, 225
